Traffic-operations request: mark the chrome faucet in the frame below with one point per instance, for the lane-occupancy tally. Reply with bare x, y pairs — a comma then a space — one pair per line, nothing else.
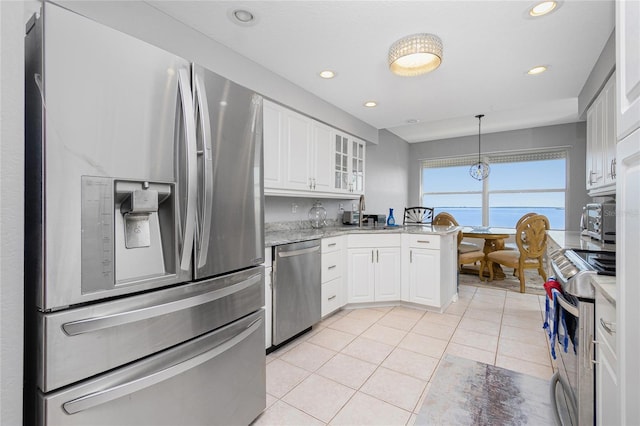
361, 208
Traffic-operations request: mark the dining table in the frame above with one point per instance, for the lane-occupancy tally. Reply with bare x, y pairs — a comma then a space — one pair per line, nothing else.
494, 240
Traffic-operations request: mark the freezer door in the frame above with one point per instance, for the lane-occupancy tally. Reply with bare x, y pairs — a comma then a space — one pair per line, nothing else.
229, 232
79, 343
216, 379
106, 116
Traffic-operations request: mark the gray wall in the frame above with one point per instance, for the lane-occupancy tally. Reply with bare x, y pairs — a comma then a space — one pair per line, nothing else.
604, 67
572, 135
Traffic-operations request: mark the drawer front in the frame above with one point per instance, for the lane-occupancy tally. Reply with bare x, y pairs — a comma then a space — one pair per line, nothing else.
332, 266
332, 244
606, 319
373, 240
332, 296
424, 241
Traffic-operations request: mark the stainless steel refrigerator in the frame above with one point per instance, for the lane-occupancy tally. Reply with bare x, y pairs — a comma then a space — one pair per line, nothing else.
143, 234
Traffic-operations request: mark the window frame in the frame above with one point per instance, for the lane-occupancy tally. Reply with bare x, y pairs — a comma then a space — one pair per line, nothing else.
500, 157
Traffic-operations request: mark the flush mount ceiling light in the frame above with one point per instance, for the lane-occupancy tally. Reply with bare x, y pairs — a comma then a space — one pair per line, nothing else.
415, 54
479, 170
242, 17
537, 70
327, 74
370, 104
543, 8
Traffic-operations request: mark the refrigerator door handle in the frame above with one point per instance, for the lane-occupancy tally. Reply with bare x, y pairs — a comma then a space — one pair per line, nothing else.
207, 170
120, 390
90, 325
188, 115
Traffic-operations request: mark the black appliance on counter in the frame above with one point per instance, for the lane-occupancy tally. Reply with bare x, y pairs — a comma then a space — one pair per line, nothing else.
573, 400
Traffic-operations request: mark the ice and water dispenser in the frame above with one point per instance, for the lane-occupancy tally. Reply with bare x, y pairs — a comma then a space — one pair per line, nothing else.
128, 232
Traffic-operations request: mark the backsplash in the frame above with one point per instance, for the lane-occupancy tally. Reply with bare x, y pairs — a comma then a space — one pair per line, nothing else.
281, 209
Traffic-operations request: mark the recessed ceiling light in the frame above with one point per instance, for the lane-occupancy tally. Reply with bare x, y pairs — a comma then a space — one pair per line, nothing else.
327, 74
543, 8
242, 17
370, 104
537, 70
413, 121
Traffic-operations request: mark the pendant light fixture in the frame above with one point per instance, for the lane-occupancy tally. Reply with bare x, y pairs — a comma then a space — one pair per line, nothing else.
479, 170
415, 54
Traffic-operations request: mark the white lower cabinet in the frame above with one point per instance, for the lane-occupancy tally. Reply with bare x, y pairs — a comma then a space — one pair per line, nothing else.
606, 366
373, 268
332, 275
430, 262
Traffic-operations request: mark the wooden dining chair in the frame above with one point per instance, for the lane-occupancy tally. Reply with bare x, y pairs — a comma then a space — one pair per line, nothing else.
447, 219
531, 239
417, 215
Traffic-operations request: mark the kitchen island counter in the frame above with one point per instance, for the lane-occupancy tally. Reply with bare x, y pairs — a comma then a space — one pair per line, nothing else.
575, 240
276, 237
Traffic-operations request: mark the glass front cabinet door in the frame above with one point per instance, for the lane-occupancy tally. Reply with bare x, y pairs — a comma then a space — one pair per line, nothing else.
349, 164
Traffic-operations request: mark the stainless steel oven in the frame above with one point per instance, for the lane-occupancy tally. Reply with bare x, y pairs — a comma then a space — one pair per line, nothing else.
573, 386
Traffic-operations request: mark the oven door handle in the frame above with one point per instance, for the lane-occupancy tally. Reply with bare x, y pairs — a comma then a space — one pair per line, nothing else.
567, 306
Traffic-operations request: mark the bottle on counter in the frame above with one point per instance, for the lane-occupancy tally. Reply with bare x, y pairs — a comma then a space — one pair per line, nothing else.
391, 221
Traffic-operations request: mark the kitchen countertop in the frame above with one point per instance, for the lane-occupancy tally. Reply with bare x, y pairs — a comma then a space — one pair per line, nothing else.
605, 285
285, 236
575, 240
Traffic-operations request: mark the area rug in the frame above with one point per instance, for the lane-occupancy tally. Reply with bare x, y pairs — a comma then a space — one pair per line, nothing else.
533, 282
466, 392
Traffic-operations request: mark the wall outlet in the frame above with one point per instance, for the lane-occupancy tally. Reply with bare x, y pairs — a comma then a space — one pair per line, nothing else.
294, 207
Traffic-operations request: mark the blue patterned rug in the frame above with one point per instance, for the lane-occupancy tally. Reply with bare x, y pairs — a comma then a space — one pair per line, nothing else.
466, 392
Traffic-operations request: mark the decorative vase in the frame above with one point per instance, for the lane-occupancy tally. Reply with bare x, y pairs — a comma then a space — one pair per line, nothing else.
391, 221
317, 215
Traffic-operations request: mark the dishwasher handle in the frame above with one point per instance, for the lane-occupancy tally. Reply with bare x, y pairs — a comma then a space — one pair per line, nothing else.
298, 252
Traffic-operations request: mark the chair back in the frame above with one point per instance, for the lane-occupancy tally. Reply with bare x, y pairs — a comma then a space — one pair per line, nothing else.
531, 236
524, 216
446, 219
417, 215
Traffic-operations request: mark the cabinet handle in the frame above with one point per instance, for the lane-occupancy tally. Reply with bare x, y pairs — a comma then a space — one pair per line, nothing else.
332, 244
377, 256
609, 327
614, 173
410, 256
372, 256
424, 241
314, 183
592, 352
332, 297
332, 266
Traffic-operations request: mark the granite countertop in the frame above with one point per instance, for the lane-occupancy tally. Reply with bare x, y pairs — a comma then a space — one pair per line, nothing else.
281, 235
605, 285
575, 240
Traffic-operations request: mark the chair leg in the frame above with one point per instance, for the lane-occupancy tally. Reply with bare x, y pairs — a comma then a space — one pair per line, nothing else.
490, 268
481, 270
521, 278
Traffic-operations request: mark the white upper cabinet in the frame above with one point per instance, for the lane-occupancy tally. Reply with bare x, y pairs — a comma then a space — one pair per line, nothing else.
628, 66
303, 157
348, 165
601, 141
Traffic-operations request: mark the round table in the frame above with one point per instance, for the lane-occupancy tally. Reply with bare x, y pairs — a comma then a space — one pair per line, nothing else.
493, 241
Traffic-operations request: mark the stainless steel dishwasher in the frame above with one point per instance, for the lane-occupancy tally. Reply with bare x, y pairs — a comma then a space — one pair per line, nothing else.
296, 289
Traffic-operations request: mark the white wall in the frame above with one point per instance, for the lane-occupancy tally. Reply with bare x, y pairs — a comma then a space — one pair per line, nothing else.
572, 134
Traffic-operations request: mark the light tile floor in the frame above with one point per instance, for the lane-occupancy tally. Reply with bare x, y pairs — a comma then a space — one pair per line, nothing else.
374, 365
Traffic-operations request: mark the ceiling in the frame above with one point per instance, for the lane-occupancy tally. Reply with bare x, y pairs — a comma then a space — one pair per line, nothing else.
488, 47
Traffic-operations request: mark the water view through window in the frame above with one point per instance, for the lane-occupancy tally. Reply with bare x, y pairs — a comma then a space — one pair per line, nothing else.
513, 189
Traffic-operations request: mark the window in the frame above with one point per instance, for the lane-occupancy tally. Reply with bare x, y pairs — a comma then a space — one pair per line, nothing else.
518, 183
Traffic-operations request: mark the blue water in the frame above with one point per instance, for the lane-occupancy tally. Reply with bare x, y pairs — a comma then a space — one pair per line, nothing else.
503, 217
